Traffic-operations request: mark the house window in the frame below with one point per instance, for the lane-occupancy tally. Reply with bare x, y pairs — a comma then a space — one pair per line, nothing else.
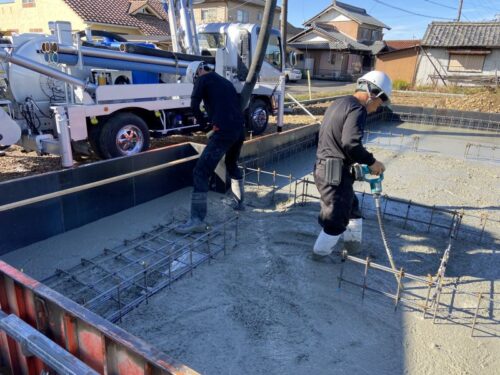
259, 16
465, 63
28, 3
365, 34
242, 16
332, 58
377, 35
209, 15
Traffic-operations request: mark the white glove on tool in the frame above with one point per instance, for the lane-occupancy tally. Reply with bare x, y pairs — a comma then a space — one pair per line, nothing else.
324, 244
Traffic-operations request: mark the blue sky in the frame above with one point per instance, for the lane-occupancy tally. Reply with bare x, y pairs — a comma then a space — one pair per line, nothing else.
403, 25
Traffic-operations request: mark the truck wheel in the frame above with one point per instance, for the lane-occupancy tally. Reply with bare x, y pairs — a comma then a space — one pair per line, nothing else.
123, 134
258, 116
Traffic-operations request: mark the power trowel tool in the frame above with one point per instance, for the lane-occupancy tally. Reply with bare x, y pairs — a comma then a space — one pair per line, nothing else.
363, 173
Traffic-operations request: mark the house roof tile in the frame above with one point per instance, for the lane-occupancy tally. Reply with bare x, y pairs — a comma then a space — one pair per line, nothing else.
394, 45
462, 34
119, 13
335, 40
357, 14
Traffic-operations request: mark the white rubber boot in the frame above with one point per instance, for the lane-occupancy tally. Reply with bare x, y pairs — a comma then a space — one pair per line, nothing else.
353, 236
238, 191
324, 244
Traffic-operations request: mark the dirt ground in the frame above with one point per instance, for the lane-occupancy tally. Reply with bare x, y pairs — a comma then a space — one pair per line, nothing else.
268, 308
487, 100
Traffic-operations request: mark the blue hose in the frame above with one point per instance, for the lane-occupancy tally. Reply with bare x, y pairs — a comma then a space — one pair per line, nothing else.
99, 62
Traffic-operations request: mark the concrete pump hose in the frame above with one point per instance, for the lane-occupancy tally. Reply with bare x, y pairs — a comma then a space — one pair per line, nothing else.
382, 231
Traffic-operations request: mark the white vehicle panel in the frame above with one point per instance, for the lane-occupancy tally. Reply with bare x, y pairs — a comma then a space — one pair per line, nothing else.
145, 91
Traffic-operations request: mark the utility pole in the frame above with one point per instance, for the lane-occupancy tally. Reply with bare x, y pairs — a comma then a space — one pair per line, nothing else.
284, 22
460, 10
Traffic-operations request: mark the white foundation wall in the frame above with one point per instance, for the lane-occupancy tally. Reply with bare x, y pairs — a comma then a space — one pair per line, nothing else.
440, 59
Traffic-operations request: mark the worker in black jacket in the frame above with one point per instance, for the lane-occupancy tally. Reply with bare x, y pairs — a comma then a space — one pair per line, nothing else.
222, 104
340, 146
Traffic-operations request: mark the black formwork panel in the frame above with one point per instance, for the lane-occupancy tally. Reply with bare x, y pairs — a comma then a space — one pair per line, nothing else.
25, 225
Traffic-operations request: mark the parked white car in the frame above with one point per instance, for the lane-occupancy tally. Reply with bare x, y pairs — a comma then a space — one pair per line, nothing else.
292, 75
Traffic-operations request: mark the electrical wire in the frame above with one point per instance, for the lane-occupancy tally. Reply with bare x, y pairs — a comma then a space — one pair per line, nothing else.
441, 5
411, 12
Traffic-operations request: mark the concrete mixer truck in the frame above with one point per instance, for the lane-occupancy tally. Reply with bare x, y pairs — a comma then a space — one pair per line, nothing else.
62, 92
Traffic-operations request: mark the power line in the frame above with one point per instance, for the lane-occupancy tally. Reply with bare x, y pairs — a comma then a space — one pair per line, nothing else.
439, 4
411, 12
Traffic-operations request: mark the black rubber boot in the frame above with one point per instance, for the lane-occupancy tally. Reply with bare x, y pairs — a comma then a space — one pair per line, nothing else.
196, 223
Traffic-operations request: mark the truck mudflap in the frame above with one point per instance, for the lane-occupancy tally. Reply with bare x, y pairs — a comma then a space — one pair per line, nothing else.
90, 339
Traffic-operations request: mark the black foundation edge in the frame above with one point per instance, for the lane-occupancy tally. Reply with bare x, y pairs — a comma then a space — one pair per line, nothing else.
25, 225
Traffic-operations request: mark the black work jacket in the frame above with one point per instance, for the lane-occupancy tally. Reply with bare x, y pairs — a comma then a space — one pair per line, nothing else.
221, 102
341, 133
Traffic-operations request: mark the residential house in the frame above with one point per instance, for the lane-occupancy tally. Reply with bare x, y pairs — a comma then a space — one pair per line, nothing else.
242, 11
399, 60
132, 17
460, 53
340, 42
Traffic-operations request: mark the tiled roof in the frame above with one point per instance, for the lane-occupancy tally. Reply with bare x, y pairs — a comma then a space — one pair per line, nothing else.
335, 40
462, 34
357, 14
118, 12
292, 30
393, 45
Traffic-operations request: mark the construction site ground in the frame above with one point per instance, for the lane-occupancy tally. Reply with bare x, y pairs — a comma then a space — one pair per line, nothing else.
267, 307
17, 163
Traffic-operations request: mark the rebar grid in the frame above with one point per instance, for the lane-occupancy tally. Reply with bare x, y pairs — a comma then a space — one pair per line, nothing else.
420, 296
129, 274
281, 152
435, 119
428, 293
395, 140
474, 228
491, 150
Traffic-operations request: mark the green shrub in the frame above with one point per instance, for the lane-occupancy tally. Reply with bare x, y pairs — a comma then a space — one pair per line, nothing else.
399, 84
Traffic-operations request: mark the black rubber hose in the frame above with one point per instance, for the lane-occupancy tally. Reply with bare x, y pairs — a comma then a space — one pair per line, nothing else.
260, 51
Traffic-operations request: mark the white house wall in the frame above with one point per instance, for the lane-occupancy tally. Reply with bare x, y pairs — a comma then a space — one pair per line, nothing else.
311, 38
332, 16
440, 58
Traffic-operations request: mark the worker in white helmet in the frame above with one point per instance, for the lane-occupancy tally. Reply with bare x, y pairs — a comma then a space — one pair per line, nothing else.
339, 147
222, 104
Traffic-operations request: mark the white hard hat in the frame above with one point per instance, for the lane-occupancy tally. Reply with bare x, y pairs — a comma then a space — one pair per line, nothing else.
380, 80
192, 71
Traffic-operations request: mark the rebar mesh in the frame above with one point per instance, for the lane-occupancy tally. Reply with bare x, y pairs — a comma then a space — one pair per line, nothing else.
117, 280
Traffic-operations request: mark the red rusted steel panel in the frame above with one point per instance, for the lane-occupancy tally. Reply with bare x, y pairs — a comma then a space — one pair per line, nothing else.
101, 345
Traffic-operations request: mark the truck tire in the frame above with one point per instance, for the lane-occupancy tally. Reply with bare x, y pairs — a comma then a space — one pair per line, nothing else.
257, 116
123, 134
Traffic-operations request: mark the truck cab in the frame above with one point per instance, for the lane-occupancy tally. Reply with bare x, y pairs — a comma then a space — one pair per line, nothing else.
233, 45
